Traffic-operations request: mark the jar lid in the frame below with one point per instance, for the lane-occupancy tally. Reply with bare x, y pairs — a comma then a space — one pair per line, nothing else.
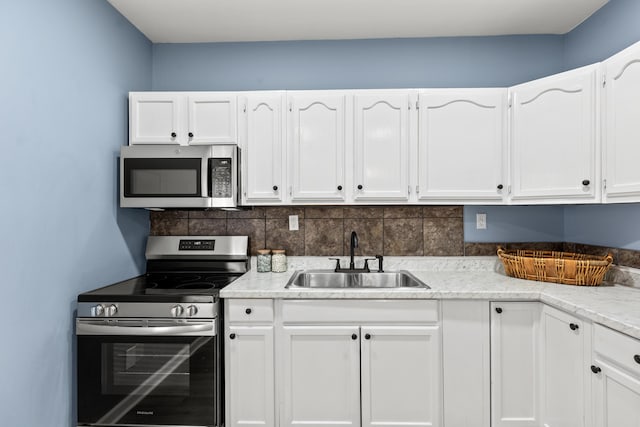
278, 251
264, 251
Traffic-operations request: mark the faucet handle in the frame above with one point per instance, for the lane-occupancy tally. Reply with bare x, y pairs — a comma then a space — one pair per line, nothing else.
380, 258
337, 260
366, 264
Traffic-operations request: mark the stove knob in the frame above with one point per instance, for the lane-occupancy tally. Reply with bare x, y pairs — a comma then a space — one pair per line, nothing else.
97, 310
177, 310
192, 310
112, 310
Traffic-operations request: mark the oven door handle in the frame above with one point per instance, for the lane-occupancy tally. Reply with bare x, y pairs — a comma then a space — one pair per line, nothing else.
201, 329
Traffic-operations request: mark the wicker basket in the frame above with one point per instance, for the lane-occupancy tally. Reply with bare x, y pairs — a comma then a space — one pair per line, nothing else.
557, 267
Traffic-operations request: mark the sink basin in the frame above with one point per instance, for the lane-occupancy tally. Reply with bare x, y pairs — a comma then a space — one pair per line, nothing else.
331, 279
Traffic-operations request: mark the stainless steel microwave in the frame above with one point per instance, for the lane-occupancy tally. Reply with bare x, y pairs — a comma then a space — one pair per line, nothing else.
161, 176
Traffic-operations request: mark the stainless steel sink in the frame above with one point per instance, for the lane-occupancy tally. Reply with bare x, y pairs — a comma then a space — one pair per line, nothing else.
331, 279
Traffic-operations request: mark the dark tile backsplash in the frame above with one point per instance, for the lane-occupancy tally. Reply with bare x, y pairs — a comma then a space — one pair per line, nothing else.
326, 230
385, 230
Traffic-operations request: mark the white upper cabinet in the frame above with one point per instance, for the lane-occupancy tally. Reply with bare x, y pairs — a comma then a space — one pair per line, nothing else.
621, 127
462, 145
381, 146
316, 147
262, 136
155, 118
182, 118
211, 118
554, 144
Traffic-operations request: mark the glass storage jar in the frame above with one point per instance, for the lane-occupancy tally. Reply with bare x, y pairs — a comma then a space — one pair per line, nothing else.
278, 261
264, 260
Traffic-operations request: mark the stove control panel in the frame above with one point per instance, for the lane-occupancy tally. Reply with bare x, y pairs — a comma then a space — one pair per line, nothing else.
149, 310
196, 245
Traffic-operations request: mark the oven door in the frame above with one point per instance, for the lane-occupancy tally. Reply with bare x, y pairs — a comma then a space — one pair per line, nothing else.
164, 177
160, 374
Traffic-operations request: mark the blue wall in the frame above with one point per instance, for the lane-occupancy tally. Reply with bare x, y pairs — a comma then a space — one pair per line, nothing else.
353, 64
66, 69
515, 224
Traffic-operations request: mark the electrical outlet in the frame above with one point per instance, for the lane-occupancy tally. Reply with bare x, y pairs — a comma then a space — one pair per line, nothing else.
293, 222
481, 221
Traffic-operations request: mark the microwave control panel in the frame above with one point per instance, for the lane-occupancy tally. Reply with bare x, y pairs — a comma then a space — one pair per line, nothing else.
221, 175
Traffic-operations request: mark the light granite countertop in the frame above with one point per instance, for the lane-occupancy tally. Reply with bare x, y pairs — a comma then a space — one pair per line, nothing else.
613, 305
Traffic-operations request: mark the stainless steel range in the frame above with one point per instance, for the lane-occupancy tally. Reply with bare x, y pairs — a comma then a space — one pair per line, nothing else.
149, 348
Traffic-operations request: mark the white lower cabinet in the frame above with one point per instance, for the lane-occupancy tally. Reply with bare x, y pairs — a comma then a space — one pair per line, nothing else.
321, 375
384, 373
466, 363
565, 358
425, 363
249, 364
615, 379
515, 364
400, 376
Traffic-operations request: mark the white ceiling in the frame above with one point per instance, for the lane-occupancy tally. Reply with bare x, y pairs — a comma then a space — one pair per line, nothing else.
190, 21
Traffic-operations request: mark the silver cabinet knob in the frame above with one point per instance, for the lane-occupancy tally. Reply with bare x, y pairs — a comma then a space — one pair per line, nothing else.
192, 310
177, 310
97, 310
112, 310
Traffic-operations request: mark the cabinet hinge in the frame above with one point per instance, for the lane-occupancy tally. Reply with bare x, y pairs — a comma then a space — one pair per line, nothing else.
510, 100
604, 80
290, 190
409, 104
604, 184
417, 105
417, 189
408, 189
290, 106
508, 189
244, 108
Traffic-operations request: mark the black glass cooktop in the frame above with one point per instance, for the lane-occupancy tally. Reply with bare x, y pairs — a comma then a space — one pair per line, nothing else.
163, 287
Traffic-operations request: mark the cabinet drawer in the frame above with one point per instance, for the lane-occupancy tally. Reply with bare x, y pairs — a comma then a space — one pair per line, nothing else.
619, 348
360, 311
250, 310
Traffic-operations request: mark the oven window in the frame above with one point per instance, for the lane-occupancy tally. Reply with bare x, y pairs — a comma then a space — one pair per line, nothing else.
148, 380
162, 177
145, 369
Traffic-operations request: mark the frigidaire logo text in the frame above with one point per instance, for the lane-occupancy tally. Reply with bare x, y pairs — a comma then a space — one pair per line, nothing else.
144, 412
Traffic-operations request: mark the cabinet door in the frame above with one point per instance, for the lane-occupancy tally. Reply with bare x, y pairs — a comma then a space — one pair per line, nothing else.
317, 147
553, 138
381, 151
621, 126
462, 144
155, 118
616, 397
565, 357
466, 363
212, 119
262, 143
401, 376
515, 364
249, 381
321, 376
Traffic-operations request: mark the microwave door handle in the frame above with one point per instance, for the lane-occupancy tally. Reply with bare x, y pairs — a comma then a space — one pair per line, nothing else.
92, 329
